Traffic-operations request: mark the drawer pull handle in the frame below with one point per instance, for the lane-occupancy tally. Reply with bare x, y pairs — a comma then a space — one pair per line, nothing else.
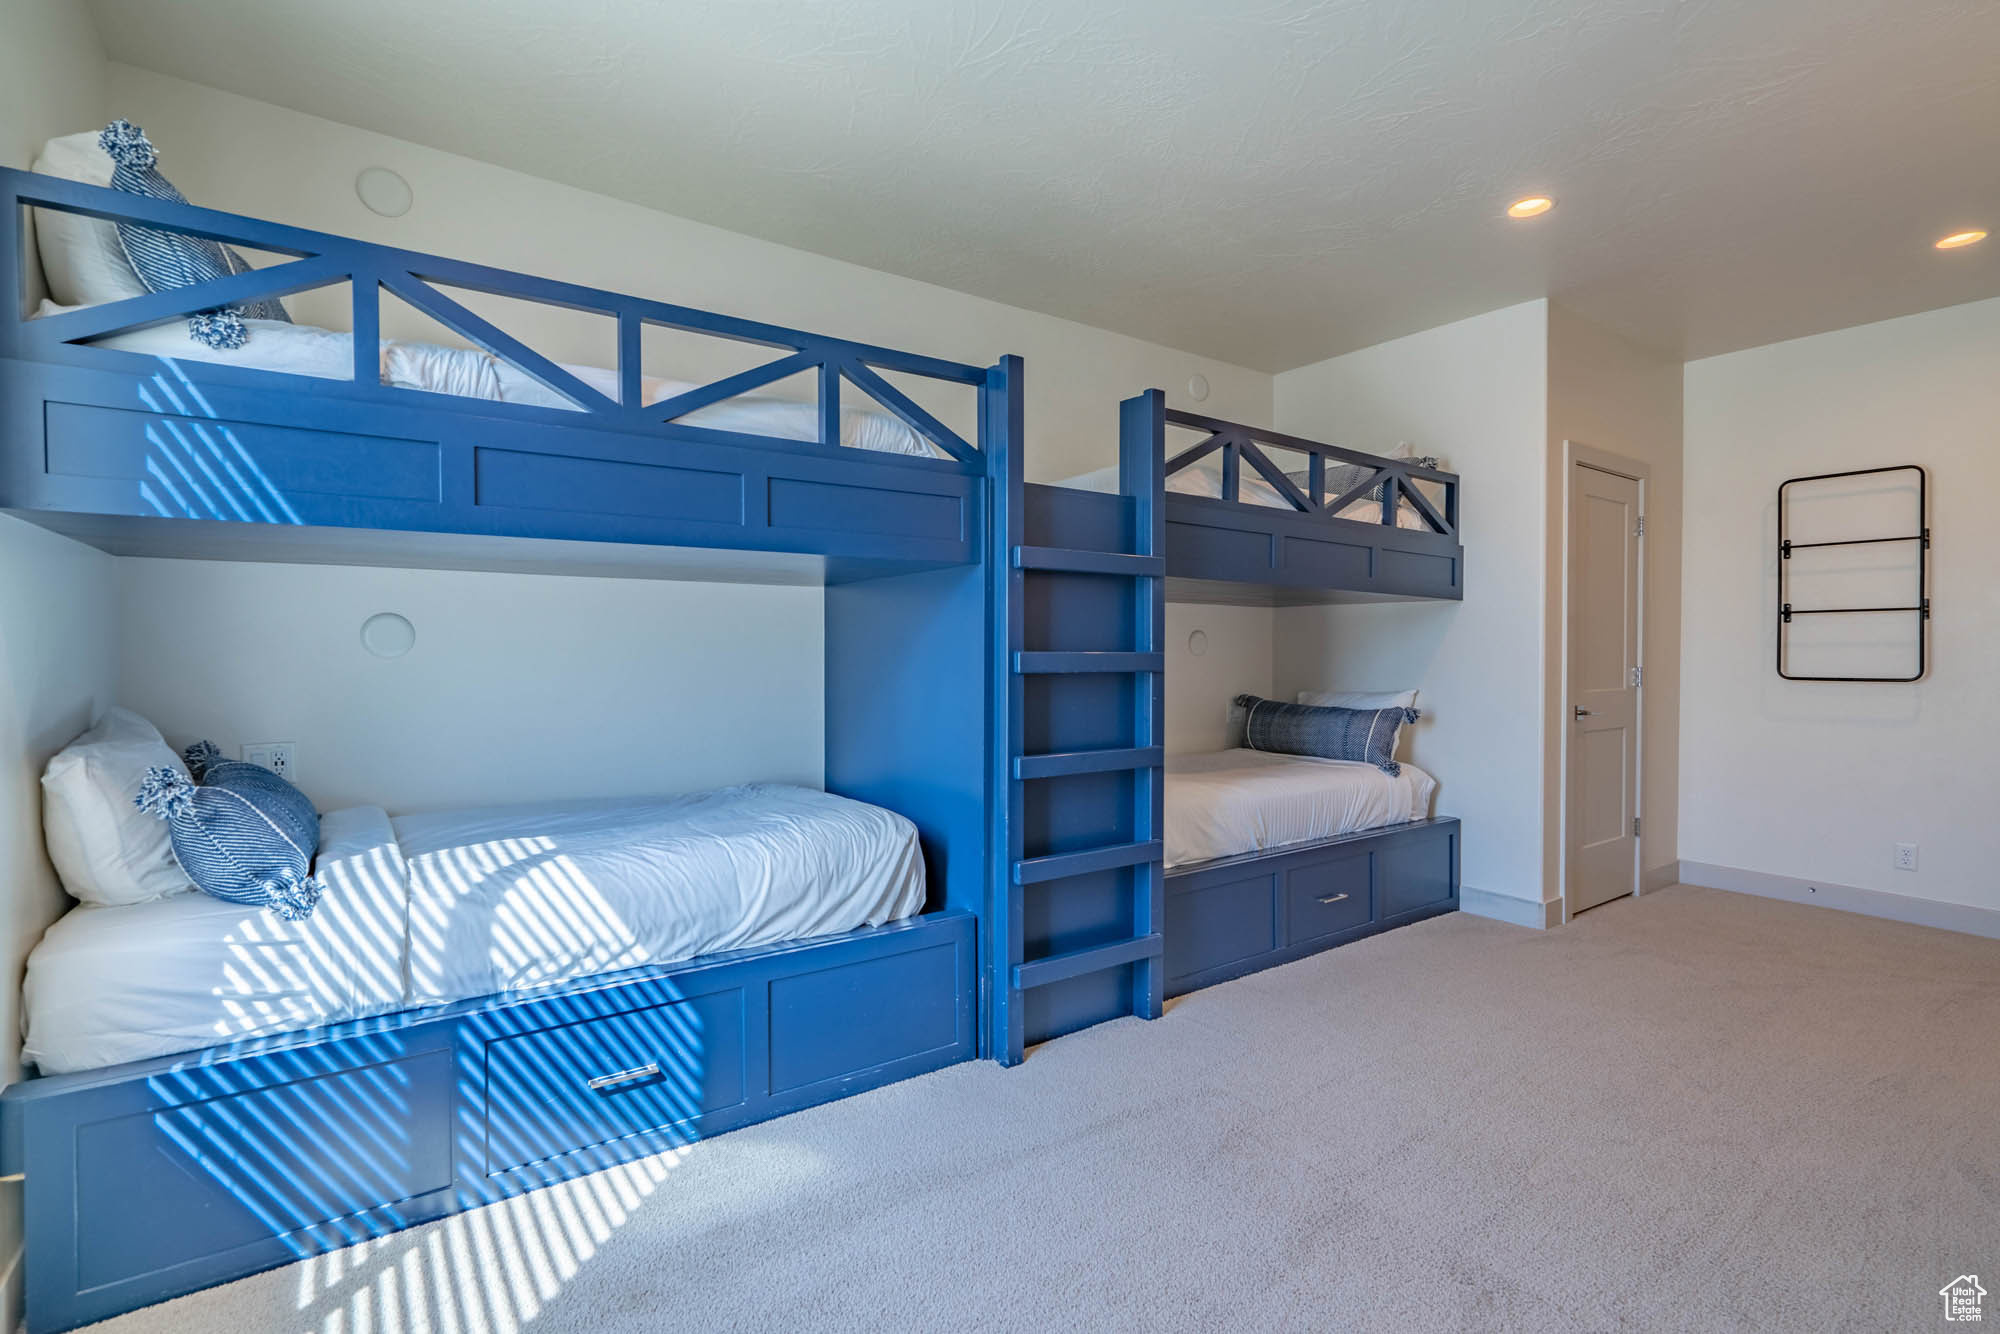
650, 1070
1333, 898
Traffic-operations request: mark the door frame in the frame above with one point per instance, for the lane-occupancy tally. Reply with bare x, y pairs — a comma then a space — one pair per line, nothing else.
1574, 455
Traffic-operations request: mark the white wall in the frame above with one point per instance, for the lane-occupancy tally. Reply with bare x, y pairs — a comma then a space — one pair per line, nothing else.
1236, 659
58, 655
52, 78
521, 687
1473, 393
57, 633
1818, 781
249, 157
1612, 395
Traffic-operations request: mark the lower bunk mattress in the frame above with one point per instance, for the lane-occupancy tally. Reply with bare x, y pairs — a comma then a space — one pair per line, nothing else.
428, 909
1230, 802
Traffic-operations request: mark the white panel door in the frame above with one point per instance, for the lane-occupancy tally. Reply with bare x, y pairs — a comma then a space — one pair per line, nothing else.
1603, 687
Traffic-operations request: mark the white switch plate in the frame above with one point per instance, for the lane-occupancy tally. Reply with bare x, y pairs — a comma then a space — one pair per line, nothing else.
1906, 856
273, 755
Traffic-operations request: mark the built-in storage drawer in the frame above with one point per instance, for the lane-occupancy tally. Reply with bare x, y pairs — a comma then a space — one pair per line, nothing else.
560, 1089
1418, 872
1324, 898
1217, 925
159, 1189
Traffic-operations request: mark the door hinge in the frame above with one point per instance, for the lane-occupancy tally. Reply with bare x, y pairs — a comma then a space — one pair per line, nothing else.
1635, 826
1638, 675
1639, 530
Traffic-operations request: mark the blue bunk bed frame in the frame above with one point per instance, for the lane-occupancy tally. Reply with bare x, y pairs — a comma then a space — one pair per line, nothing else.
1087, 923
262, 1152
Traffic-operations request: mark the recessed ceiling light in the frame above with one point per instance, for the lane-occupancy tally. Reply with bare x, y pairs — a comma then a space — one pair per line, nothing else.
1959, 240
1531, 207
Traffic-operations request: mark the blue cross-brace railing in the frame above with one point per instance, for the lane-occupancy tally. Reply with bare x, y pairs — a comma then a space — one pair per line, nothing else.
1394, 479
321, 260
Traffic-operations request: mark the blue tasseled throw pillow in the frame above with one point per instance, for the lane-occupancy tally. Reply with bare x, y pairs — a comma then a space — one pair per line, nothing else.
240, 832
1365, 735
166, 260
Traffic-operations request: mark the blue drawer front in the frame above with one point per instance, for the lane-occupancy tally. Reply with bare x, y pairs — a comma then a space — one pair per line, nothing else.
189, 467
232, 1172
683, 1060
514, 479
837, 1023
1325, 898
1219, 925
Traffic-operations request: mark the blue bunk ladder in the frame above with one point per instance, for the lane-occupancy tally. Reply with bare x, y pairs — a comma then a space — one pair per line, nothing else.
1136, 851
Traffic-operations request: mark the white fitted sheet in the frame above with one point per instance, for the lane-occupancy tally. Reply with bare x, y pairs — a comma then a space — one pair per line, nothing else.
303, 349
428, 909
1227, 802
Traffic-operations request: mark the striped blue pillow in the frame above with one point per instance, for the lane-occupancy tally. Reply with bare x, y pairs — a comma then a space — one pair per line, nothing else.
166, 260
1364, 735
241, 833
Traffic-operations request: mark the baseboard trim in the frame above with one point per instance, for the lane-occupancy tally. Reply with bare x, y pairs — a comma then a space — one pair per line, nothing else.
1961, 917
1507, 908
1659, 877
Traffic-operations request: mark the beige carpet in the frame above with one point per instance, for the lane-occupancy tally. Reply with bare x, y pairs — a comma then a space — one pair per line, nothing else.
1694, 1111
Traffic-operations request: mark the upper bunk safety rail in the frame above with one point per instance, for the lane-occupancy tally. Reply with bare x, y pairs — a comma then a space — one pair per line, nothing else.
318, 260
1393, 480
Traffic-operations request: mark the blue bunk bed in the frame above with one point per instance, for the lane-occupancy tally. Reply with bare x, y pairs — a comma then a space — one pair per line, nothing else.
1091, 923
268, 1150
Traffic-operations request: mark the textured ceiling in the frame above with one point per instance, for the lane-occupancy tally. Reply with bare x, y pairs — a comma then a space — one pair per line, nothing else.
1263, 181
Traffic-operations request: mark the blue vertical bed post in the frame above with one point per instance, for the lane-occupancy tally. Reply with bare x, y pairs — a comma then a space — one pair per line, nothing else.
1000, 935
1142, 452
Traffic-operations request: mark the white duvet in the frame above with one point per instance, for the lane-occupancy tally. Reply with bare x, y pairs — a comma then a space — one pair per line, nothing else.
303, 349
1227, 802
427, 909
1204, 478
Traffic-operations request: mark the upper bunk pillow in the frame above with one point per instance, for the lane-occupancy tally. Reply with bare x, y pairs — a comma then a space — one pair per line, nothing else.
89, 261
1364, 735
1359, 699
106, 852
242, 833
82, 259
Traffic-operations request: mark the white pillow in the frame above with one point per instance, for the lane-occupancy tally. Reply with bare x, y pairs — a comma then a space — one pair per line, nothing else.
107, 850
1359, 699
82, 258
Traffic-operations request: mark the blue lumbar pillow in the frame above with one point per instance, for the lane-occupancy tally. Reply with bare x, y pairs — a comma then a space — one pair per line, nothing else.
1365, 735
240, 832
166, 260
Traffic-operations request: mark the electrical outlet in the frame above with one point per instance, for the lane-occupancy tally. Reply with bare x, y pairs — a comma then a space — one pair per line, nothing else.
273, 755
1906, 856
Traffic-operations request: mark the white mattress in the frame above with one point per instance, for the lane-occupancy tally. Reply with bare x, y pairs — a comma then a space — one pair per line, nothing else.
1227, 802
1204, 478
428, 909
302, 349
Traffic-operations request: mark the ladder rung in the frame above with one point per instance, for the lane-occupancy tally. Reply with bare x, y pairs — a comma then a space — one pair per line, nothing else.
1058, 764
1043, 664
1064, 864
1062, 967
1074, 561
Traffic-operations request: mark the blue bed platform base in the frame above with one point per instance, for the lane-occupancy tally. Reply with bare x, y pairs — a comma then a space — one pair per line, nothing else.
157, 1178
1237, 915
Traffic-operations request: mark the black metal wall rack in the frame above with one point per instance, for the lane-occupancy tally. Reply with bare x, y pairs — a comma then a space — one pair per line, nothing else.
1919, 606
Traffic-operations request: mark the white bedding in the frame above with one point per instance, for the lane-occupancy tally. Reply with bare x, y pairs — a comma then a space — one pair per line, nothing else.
303, 349
1204, 478
429, 909
1223, 803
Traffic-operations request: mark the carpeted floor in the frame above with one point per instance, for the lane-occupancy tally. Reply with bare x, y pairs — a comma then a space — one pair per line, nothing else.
1692, 1111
